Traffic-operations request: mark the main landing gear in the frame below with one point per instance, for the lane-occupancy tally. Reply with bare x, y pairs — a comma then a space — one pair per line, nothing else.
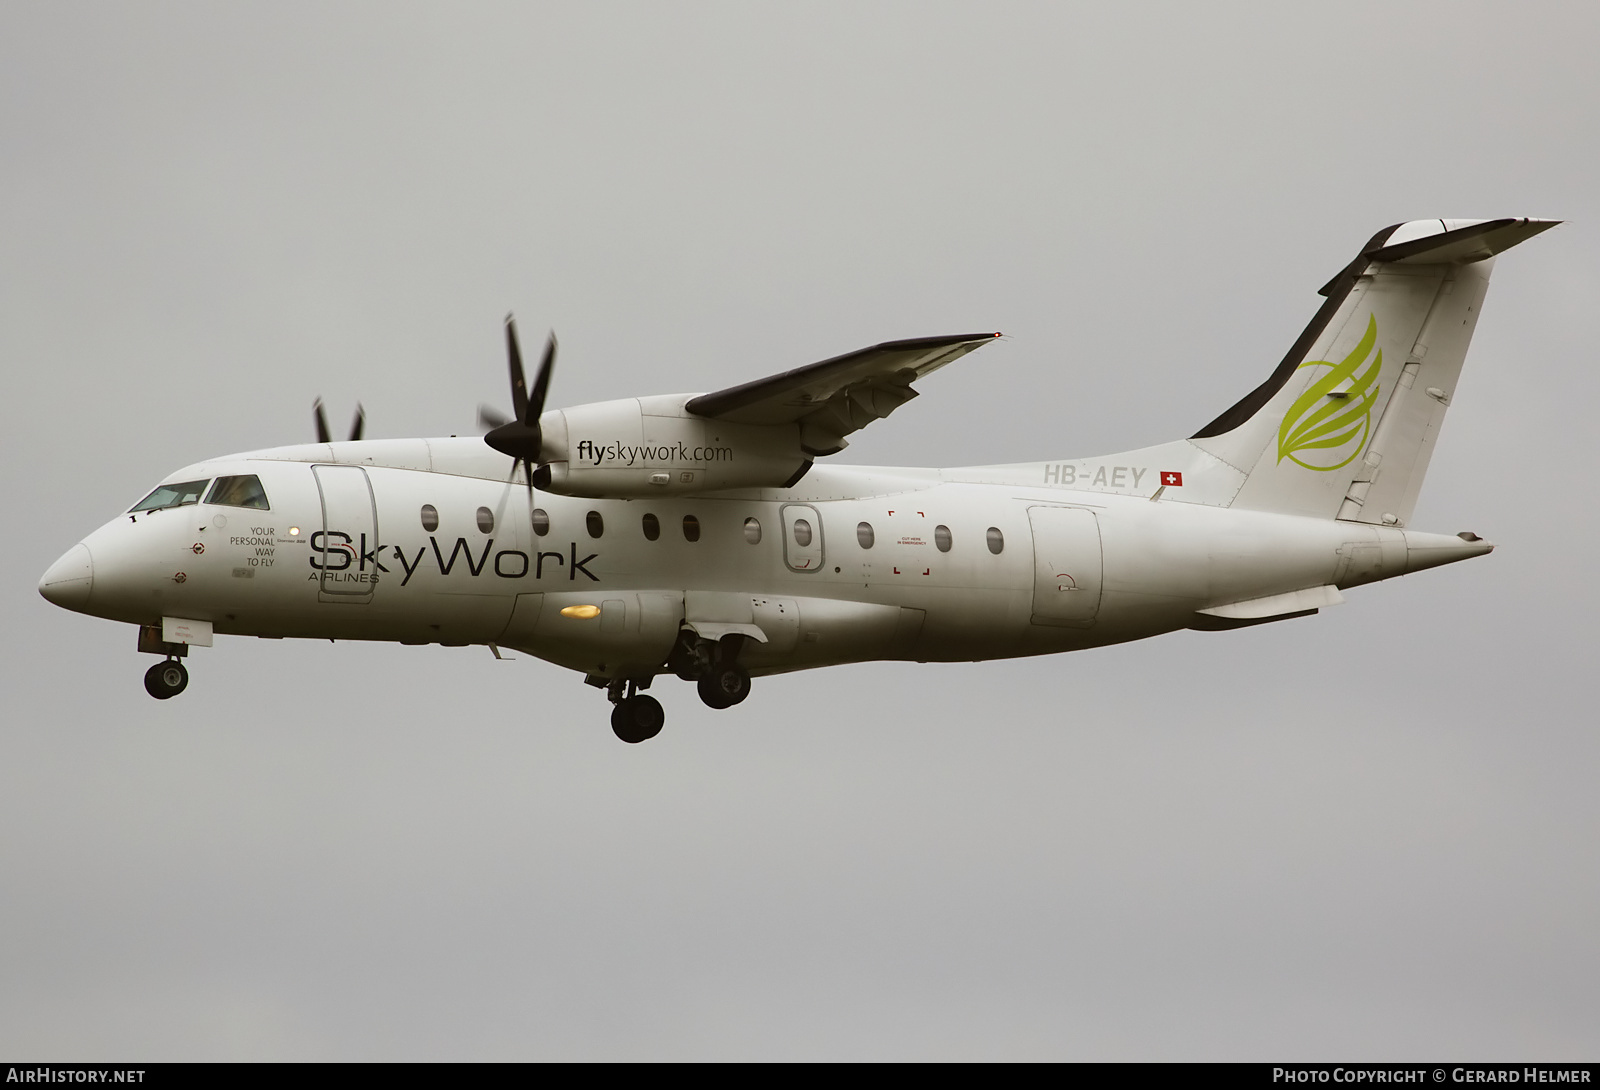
723, 686
634, 718
711, 664
167, 679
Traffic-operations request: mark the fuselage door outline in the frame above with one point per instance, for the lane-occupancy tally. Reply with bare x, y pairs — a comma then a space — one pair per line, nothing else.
349, 526
802, 537
1068, 566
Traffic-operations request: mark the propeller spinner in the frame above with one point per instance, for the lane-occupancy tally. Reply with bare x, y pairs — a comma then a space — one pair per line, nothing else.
521, 437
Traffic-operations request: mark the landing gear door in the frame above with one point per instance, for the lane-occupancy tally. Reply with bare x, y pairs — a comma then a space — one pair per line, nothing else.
1066, 566
802, 537
344, 550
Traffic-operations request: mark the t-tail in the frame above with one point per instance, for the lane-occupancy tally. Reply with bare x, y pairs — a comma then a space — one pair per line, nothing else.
1346, 424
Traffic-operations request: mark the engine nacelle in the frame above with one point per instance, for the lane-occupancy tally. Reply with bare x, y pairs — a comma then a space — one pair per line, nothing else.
651, 446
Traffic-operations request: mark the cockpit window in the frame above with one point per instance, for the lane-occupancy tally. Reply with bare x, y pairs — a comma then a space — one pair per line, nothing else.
173, 495
239, 492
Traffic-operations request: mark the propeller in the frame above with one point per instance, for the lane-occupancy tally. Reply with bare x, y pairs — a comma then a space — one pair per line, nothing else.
357, 426
521, 437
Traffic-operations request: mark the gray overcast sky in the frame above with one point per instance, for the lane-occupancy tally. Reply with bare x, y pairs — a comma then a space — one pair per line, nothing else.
1368, 834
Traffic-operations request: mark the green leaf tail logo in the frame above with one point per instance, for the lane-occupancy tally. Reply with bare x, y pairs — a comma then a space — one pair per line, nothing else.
1321, 424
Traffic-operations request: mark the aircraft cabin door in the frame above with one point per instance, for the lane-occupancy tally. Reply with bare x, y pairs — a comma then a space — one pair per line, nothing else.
802, 537
349, 536
1066, 566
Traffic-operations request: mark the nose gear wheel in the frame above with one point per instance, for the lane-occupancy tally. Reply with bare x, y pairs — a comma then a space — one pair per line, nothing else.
167, 679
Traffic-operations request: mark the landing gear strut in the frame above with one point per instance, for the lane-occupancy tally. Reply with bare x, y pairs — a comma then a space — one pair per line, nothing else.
713, 666
165, 680
635, 718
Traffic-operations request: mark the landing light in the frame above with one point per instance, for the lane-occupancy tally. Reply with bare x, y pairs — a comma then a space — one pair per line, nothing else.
581, 612
294, 531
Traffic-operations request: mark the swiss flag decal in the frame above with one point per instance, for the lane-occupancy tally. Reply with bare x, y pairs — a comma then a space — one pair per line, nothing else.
1174, 480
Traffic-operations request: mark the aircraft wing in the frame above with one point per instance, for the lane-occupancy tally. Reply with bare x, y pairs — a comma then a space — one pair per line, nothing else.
831, 399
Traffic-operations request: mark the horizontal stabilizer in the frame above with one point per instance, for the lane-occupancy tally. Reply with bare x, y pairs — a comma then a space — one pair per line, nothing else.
1420, 242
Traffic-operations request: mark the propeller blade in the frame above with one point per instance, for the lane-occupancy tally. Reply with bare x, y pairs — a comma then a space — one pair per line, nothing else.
519, 386
541, 383
520, 438
322, 422
359, 424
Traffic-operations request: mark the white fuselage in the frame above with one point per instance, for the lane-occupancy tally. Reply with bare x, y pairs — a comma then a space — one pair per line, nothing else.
693, 534
346, 552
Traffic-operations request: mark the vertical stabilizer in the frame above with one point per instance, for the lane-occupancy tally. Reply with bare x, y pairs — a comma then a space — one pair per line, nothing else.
1345, 426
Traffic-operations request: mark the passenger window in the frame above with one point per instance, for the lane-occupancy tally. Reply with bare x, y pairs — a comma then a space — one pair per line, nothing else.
752, 531
864, 535
486, 520
802, 533
652, 527
941, 538
691, 528
997, 540
595, 524
243, 491
541, 521
430, 517
173, 495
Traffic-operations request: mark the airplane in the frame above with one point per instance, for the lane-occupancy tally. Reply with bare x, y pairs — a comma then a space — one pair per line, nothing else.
701, 535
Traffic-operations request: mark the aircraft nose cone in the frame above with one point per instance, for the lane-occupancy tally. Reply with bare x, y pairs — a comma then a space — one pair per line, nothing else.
70, 579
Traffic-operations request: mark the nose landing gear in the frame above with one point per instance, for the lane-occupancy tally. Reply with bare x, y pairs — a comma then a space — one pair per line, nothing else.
164, 680
167, 679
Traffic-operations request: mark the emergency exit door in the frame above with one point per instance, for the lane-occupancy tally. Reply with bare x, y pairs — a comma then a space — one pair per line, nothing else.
802, 537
